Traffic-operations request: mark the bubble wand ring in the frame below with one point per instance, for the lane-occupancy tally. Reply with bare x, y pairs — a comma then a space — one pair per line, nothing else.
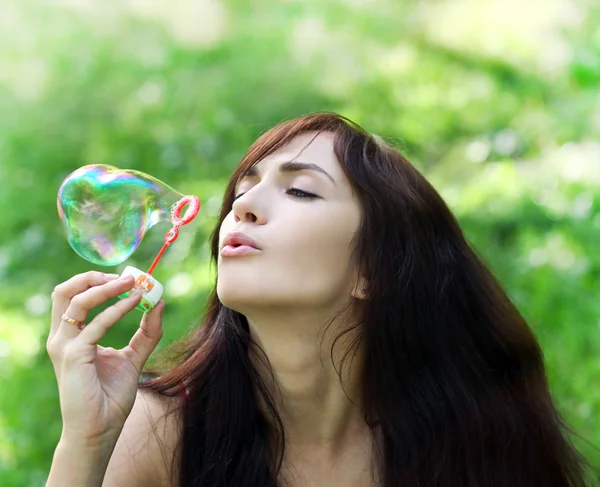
193, 204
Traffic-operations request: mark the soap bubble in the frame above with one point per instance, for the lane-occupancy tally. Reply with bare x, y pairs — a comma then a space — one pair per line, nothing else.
107, 211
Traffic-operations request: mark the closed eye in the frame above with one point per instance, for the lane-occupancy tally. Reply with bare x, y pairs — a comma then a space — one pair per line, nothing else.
298, 194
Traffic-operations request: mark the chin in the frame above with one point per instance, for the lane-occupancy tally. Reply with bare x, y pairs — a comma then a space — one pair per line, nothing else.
238, 295
243, 299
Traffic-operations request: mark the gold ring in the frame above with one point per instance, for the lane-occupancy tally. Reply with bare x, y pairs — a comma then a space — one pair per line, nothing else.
78, 324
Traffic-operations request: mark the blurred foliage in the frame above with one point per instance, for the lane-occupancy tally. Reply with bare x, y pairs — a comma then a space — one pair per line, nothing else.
496, 102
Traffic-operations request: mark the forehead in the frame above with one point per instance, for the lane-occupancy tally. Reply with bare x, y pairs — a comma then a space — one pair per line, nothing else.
310, 147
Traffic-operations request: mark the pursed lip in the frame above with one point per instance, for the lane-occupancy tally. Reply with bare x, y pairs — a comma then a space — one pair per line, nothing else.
240, 238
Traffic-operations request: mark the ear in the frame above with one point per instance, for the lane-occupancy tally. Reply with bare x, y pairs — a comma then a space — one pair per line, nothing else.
361, 289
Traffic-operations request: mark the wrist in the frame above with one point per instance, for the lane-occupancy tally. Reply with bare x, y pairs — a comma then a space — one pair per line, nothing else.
79, 464
94, 446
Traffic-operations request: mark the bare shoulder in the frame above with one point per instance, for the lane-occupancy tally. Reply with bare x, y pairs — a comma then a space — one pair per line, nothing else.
147, 451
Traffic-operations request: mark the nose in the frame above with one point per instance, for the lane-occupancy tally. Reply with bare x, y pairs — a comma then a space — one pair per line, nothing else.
247, 216
243, 210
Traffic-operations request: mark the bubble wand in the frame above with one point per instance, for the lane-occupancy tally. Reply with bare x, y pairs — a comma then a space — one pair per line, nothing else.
152, 290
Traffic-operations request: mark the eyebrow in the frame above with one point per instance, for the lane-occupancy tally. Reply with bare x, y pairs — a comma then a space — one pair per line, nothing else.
291, 166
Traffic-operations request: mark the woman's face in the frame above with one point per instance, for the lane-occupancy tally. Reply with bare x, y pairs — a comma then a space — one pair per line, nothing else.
304, 259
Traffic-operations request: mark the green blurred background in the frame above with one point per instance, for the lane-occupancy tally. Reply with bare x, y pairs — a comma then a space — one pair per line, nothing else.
495, 101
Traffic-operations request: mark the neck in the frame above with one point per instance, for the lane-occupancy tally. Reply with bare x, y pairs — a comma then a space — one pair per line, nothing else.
319, 411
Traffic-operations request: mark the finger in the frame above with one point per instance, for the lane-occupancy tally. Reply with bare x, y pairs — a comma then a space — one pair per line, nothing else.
64, 292
146, 337
98, 327
83, 303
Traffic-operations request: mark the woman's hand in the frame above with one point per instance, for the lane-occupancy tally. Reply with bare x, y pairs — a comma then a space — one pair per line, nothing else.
97, 385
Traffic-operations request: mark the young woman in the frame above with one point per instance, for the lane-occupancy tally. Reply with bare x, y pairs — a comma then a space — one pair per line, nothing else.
357, 340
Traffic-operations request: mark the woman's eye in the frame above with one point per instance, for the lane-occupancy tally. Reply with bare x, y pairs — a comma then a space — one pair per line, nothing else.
298, 193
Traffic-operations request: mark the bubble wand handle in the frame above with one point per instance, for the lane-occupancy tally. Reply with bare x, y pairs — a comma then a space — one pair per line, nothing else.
193, 207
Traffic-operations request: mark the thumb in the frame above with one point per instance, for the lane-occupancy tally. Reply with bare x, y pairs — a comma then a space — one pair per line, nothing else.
146, 337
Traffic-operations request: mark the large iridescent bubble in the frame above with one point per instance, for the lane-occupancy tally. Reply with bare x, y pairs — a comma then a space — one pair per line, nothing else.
107, 211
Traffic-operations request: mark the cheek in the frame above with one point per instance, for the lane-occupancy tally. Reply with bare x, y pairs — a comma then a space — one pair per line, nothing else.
332, 230
226, 226
323, 243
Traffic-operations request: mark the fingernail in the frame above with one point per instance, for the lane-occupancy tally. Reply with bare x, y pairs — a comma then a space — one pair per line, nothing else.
111, 276
162, 308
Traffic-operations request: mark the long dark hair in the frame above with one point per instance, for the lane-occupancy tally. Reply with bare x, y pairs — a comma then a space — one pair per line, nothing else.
454, 379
